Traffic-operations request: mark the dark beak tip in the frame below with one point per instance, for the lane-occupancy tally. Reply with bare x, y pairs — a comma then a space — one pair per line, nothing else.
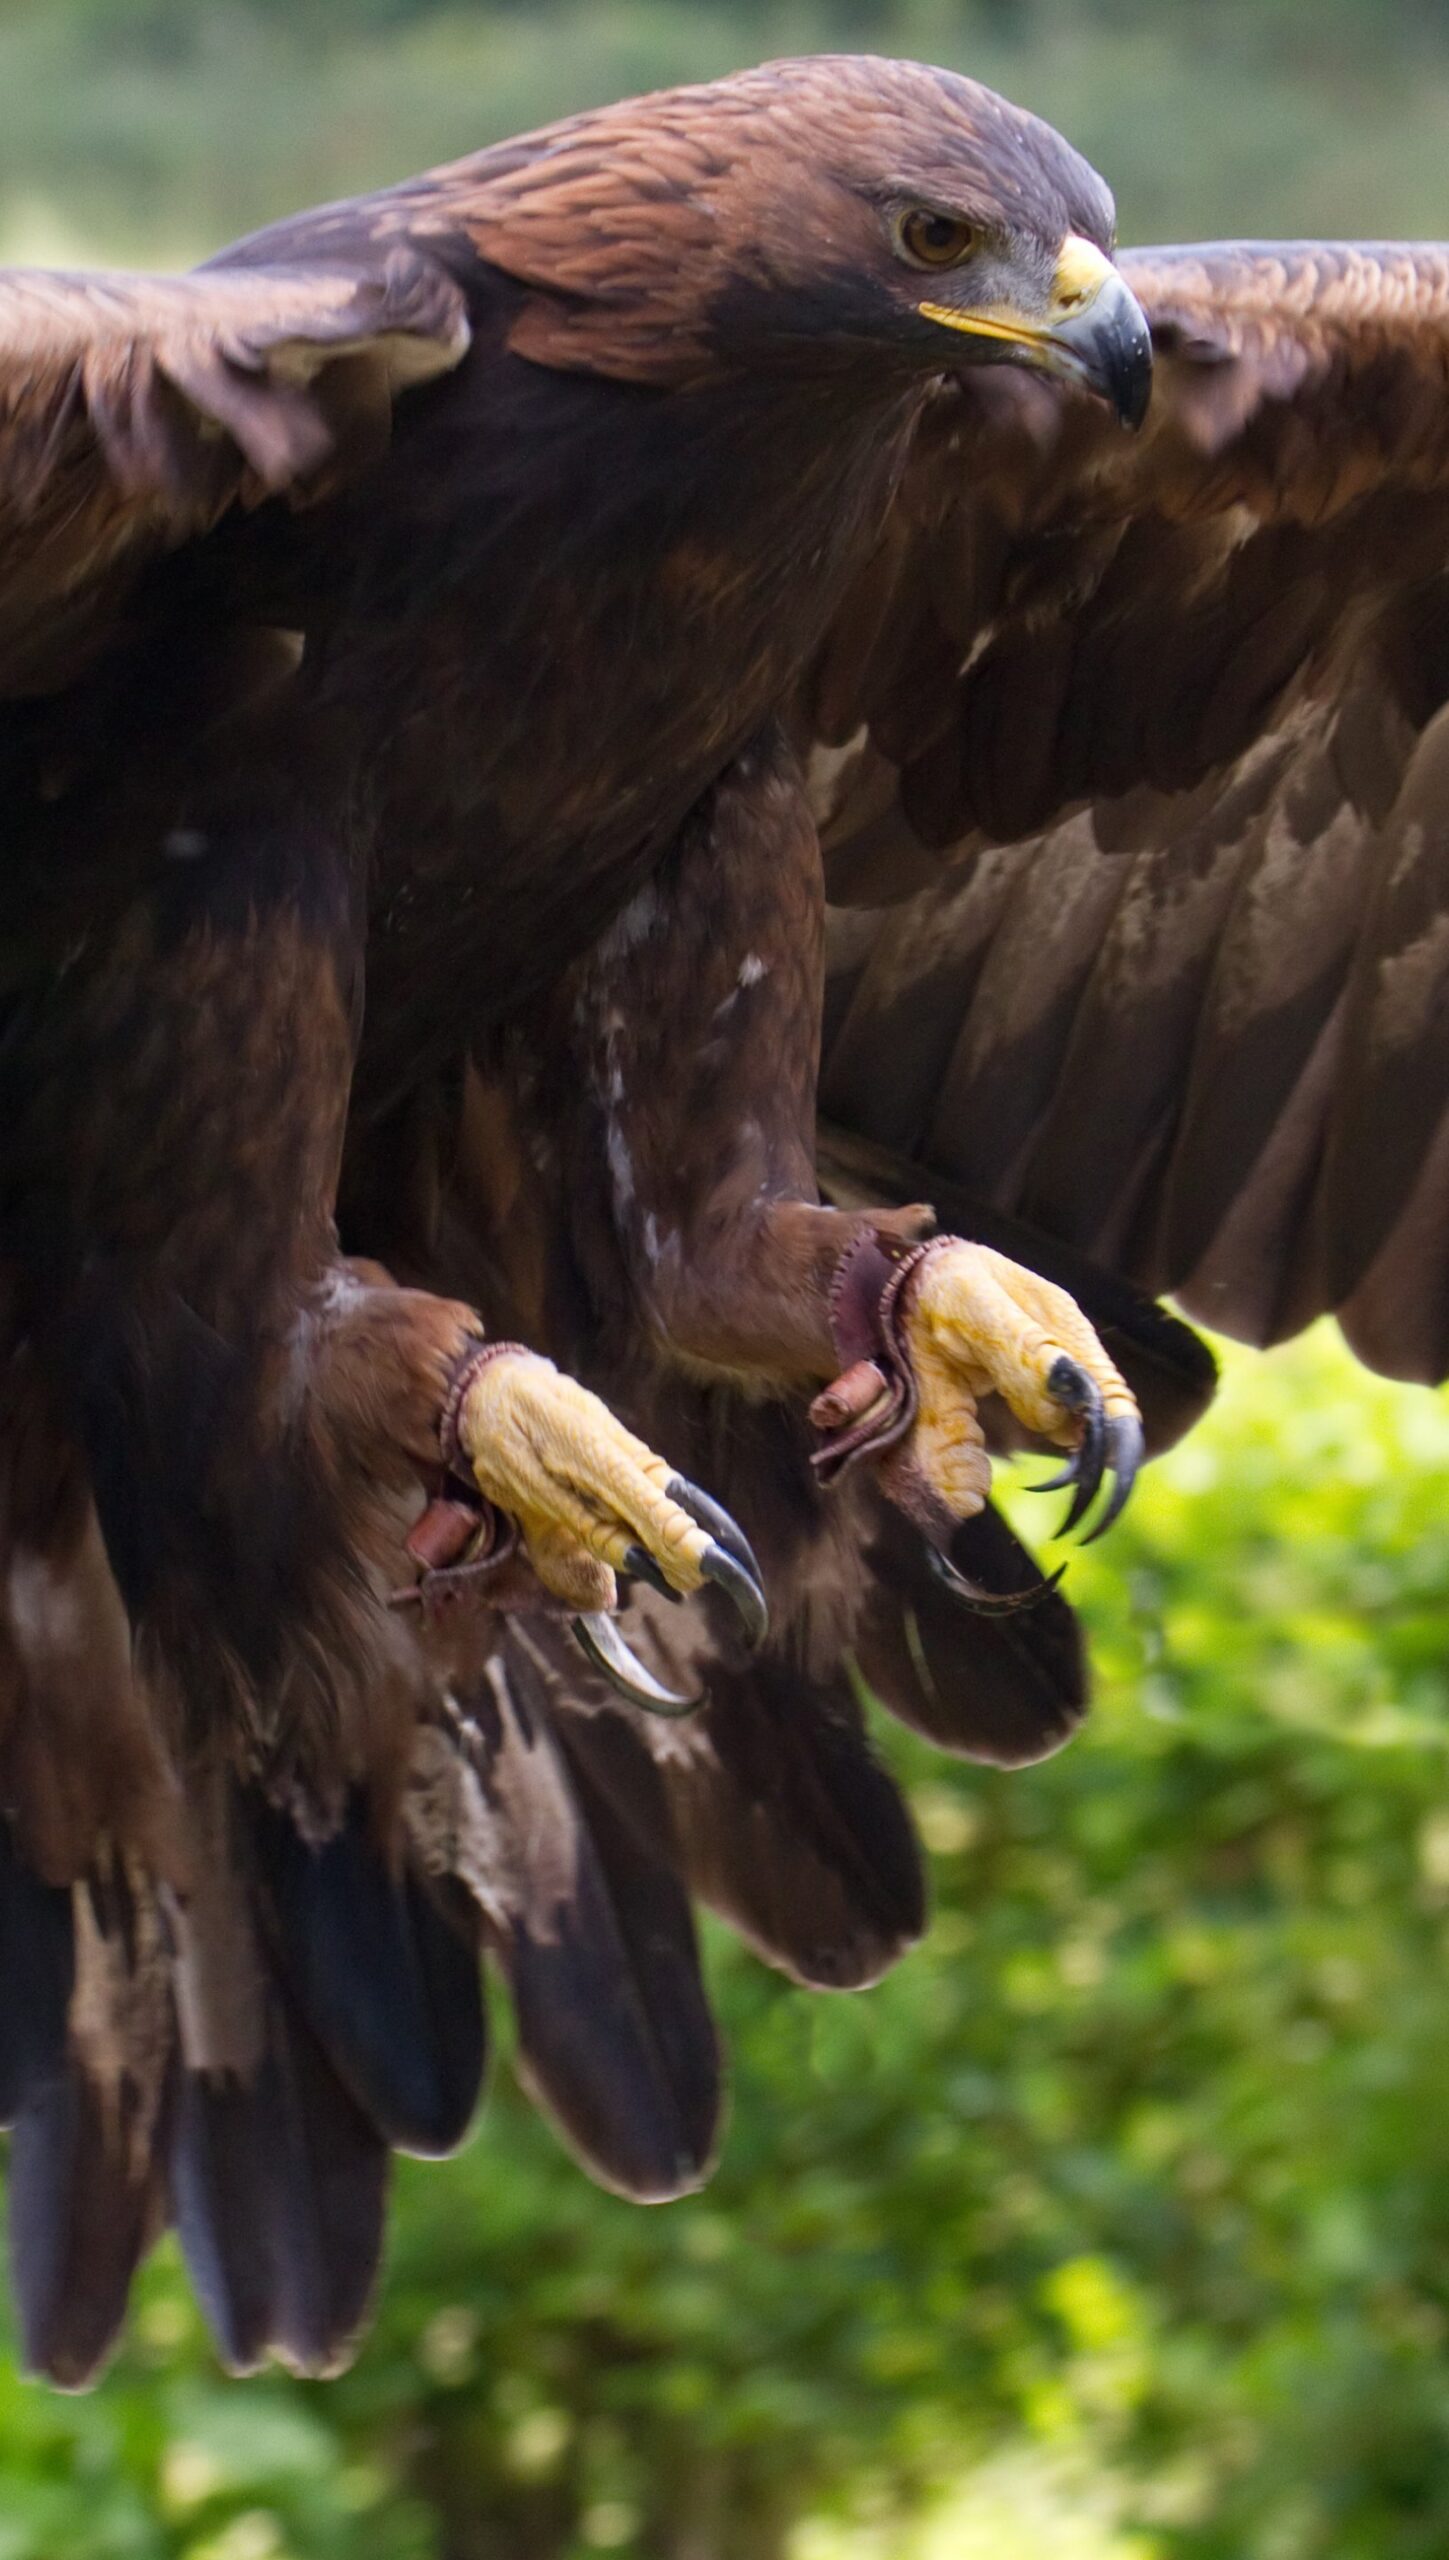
1126, 355
1132, 388
1111, 344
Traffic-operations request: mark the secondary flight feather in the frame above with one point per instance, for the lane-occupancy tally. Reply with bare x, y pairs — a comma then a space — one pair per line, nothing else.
451, 649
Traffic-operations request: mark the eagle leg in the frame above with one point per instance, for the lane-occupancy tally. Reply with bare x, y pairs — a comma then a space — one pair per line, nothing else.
964, 1323
591, 1501
707, 991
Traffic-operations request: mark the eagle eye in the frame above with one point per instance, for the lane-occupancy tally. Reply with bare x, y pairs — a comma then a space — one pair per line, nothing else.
935, 239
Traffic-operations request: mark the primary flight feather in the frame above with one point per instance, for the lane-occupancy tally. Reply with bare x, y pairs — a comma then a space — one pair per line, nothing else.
436, 641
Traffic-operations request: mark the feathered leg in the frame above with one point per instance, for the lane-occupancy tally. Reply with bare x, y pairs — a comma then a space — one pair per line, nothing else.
691, 1039
672, 1193
230, 1989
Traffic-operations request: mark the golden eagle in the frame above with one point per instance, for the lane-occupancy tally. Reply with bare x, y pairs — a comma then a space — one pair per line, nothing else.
542, 587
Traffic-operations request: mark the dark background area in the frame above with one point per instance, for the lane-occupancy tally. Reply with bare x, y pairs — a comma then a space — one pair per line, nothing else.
1116, 2225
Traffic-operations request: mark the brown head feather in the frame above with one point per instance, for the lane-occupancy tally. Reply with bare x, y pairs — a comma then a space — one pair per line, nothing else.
644, 223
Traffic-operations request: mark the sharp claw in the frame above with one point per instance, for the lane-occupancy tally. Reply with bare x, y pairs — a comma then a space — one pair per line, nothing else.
599, 1638
1117, 1446
1072, 1387
644, 1568
739, 1585
1126, 1448
713, 1516
1068, 1381
988, 1604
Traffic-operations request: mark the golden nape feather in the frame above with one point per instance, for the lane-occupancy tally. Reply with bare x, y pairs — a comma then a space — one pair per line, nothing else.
487, 672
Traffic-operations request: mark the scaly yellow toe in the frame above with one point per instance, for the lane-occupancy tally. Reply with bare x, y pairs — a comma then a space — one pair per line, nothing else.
977, 1325
583, 1490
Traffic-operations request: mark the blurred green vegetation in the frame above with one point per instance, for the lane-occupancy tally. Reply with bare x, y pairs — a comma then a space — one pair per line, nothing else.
156, 129
1115, 2226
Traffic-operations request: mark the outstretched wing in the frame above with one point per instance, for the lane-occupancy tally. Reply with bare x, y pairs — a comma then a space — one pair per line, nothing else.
134, 410
1144, 743
169, 2055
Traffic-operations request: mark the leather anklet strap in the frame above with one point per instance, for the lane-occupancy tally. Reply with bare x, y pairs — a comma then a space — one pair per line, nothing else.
474, 1361
872, 1404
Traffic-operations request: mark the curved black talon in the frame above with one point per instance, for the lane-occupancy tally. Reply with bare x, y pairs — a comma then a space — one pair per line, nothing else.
599, 1639
642, 1567
1072, 1387
1126, 1448
712, 1515
739, 1585
988, 1604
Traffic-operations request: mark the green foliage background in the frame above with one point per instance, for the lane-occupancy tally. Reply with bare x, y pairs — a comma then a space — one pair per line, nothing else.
1124, 2206
163, 127
1116, 2225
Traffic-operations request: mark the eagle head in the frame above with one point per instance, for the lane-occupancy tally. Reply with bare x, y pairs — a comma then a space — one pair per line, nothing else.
838, 212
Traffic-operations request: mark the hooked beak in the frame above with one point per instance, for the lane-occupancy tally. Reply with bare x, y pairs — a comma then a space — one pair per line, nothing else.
1092, 331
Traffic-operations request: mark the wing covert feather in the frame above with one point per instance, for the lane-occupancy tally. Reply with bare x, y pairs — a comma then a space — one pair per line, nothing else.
134, 410
1192, 1021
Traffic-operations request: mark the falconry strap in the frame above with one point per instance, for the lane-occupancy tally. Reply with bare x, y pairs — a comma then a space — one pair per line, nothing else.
871, 1405
474, 1361
460, 1534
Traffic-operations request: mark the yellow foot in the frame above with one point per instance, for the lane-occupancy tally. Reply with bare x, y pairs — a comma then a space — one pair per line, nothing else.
978, 1324
592, 1502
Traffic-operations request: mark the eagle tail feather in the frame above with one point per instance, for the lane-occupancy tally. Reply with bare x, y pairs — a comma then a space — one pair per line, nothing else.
771, 1806
37, 1966
387, 1980
1008, 1685
87, 2184
278, 2185
596, 1941
84, 2210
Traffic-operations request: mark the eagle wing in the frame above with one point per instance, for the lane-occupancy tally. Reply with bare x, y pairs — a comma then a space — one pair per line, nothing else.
1132, 771
135, 410
1142, 744
1108, 724
1119, 750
